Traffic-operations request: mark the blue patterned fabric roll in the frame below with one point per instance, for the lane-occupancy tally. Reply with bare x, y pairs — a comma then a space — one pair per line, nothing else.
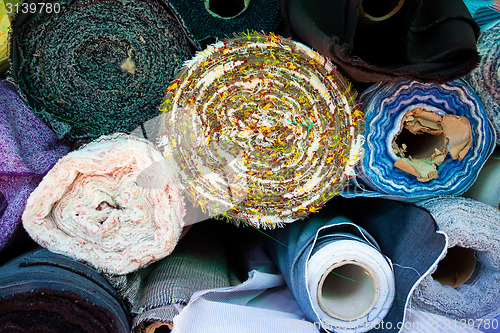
458, 148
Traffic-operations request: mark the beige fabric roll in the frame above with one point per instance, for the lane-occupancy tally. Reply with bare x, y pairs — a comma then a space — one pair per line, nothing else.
92, 206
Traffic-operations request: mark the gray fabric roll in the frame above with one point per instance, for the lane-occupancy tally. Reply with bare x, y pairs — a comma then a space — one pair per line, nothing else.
472, 225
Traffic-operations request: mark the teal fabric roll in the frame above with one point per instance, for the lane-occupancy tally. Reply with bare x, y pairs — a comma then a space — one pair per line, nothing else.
204, 21
97, 67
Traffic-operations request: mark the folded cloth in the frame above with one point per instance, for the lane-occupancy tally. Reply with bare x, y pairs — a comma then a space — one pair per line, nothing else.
209, 19
45, 292
98, 67
7, 11
159, 292
422, 140
466, 283
423, 40
28, 149
93, 207
266, 119
485, 79
357, 279
486, 188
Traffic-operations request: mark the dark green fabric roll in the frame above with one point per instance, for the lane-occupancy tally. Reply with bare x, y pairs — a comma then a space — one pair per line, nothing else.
210, 19
97, 67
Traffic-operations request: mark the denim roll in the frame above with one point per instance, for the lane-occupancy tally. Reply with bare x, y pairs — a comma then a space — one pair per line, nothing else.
28, 150
485, 78
41, 291
349, 269
422, 140
465, 284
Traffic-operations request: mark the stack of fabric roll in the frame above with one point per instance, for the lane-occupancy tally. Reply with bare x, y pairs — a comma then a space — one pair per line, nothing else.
249, 165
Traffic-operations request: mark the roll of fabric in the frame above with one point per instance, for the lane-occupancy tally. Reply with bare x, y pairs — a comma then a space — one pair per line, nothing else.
210, 19
42, 291
28, 149
92, 207
485, 12
7, 11
338, 274
485, 79
422, 140
271, 121
94, 68
422, 40
486, 188
159, 292
466, 282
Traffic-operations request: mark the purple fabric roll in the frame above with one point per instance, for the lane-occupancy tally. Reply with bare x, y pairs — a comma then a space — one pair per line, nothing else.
28, 150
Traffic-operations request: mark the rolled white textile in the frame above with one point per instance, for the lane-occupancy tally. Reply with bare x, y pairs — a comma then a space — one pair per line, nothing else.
353, 283
93, 207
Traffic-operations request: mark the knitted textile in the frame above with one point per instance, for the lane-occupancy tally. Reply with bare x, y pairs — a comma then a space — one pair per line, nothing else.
473, 225
272, 123
41, 291
28, 149
455, 161
97, 67
485, 79
92, 206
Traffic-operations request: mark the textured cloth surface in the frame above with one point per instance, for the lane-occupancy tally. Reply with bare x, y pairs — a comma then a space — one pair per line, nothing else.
259, 15
45, 292
406, 235
474, 225
92, 206
7, 11
159, 292
423, 40
273, 123
97, 67
485, 79
28, 149
385, 105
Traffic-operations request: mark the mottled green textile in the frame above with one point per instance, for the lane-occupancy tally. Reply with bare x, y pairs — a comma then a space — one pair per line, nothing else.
97, 67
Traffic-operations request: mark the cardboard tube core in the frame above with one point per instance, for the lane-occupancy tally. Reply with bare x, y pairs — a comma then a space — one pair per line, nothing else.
347, 291
376, 10
226, 9
456, 267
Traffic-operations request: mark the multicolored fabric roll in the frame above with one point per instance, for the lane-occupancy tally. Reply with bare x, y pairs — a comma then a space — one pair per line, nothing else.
350, 268
466, 282
99, 67
93, 207
422, 140
159, 292
41, 291
262, 129
28, 150
485, 79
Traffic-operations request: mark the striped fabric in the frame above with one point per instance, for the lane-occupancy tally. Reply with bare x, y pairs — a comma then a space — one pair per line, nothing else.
384, 106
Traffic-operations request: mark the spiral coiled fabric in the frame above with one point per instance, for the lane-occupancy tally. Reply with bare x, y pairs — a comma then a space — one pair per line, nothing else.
97, 67
385, 106
93, 207
262, 129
